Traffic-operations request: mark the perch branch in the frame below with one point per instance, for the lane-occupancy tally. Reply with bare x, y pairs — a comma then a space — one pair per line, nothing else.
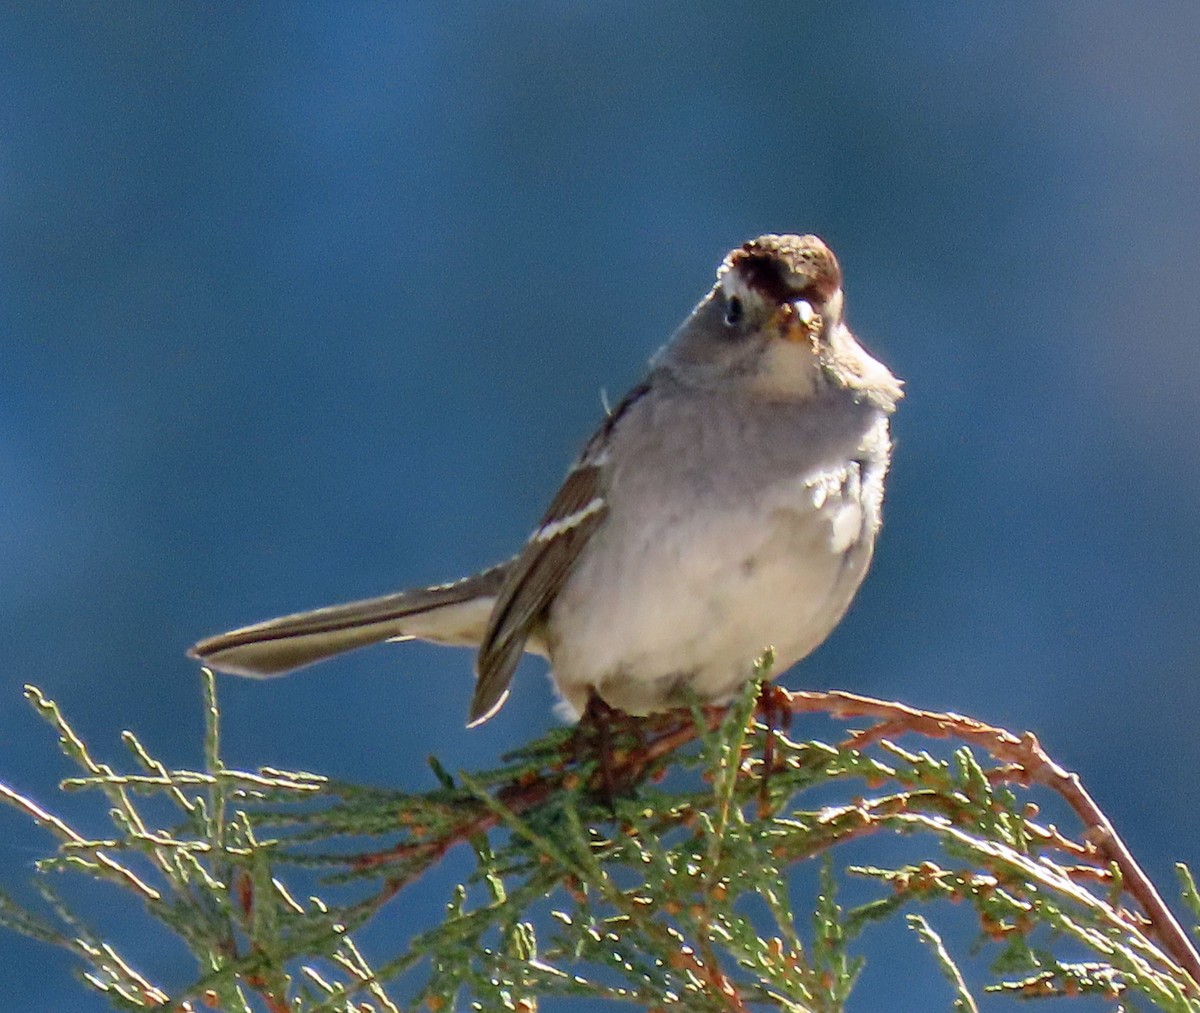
1024, 762
1028, 764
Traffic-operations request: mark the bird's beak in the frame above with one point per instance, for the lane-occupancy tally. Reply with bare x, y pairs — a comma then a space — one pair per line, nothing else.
798, 321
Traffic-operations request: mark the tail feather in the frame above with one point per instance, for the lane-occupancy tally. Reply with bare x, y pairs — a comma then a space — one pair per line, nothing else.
454, 614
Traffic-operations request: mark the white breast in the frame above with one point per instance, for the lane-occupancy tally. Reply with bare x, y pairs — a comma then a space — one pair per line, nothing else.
691, 578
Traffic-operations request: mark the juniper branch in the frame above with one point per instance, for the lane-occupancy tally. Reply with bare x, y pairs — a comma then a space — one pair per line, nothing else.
654, 885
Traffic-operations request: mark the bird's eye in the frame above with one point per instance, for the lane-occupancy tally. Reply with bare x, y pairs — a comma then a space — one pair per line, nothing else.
734, 311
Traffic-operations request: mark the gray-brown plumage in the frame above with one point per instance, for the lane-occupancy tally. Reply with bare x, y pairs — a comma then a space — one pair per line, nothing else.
729, 503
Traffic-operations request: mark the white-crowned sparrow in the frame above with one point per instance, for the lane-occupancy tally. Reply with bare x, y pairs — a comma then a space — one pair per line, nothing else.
729, 503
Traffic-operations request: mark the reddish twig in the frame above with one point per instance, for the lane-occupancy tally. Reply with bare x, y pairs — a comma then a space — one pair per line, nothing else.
669, 732
243, 890
1030, 765
1024, 762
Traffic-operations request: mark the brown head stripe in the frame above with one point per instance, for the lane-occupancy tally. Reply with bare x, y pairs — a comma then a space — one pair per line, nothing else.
786, 267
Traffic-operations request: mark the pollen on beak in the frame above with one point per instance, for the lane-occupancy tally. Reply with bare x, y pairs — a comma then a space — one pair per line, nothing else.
798, 321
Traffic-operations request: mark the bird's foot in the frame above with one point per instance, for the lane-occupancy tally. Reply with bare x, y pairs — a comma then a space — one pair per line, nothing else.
616, 741
774, 707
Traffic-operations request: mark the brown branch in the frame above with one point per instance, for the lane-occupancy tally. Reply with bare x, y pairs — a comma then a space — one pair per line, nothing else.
1029, 765
1024, 762
673, 732
670, 732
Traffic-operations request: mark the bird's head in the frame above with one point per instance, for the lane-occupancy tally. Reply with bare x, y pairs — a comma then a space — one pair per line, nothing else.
773, 321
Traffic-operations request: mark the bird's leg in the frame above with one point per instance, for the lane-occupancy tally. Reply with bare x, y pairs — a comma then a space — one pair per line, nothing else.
594, 734
604, 729
773, 705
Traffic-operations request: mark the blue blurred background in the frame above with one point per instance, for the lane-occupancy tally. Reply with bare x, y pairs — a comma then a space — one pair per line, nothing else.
303, 303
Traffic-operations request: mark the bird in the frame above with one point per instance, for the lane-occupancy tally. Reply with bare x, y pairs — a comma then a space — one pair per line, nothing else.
727, 505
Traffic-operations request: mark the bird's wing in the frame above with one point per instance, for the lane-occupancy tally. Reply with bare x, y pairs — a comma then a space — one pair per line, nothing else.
542, 566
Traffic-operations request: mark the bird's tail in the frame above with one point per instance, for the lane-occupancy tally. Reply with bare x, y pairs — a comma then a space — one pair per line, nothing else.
453, 614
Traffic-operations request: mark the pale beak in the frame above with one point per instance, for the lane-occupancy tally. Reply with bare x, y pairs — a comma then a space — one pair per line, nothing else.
798, 321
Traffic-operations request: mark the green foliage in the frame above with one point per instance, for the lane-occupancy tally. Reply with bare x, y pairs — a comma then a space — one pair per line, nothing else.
674, 893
